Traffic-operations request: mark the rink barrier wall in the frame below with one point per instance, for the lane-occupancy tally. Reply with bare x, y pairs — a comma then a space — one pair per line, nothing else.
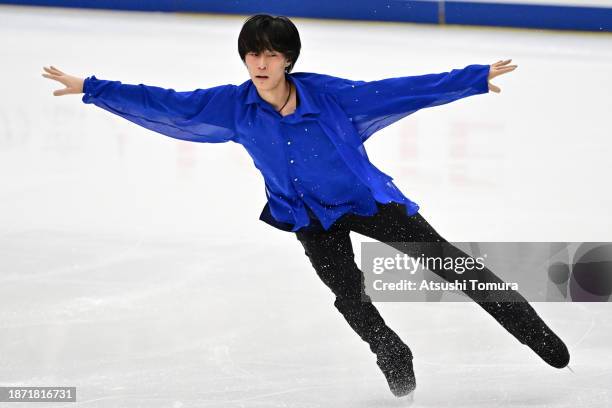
507, 14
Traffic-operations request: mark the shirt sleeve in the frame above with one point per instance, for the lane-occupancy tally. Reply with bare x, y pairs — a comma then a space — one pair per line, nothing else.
202, 115
374, 105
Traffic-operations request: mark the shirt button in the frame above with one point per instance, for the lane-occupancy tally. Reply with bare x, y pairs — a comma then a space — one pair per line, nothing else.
301, 194
289, 142
295, 179
291, 161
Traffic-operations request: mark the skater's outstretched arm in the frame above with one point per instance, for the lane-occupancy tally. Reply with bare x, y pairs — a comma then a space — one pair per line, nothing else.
373, 105
202, 115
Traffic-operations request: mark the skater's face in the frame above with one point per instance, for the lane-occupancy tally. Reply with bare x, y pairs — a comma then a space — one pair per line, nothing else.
266, 68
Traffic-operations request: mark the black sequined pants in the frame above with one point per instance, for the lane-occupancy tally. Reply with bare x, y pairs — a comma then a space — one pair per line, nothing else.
331, 254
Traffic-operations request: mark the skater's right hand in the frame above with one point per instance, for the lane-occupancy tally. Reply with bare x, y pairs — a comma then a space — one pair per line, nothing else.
74, 85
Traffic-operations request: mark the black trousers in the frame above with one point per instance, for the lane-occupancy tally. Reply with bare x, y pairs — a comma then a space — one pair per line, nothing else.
331, 254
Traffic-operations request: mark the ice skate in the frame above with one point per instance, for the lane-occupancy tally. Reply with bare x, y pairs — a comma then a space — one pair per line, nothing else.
395, 361
522, 321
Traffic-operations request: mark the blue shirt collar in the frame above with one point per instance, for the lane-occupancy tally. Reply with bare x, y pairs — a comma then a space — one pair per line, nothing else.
305, 106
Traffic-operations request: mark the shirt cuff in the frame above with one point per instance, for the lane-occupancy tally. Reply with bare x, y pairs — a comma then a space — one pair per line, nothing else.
88, 85
485, 85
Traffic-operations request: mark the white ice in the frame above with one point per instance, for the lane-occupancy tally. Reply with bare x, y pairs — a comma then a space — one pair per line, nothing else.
134, 267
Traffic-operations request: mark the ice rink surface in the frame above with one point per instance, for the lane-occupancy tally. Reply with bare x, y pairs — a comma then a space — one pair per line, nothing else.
134, 267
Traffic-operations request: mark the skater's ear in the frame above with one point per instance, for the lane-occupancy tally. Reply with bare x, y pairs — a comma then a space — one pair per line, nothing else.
265, 32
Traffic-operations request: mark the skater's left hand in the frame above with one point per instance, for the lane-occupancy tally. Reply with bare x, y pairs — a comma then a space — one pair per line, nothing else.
497, 69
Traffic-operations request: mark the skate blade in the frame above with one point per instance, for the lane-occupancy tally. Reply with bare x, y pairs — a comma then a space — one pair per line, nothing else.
408, 398
570, 368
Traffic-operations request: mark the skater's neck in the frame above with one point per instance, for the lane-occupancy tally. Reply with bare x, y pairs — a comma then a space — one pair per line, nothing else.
282, 97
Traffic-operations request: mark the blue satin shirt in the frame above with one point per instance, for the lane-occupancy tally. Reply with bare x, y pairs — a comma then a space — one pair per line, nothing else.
313, 161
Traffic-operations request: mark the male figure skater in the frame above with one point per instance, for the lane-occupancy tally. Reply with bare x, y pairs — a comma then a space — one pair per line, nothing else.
306, 134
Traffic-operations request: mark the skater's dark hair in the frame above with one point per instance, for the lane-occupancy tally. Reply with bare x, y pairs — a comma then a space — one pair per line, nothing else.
265, 32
